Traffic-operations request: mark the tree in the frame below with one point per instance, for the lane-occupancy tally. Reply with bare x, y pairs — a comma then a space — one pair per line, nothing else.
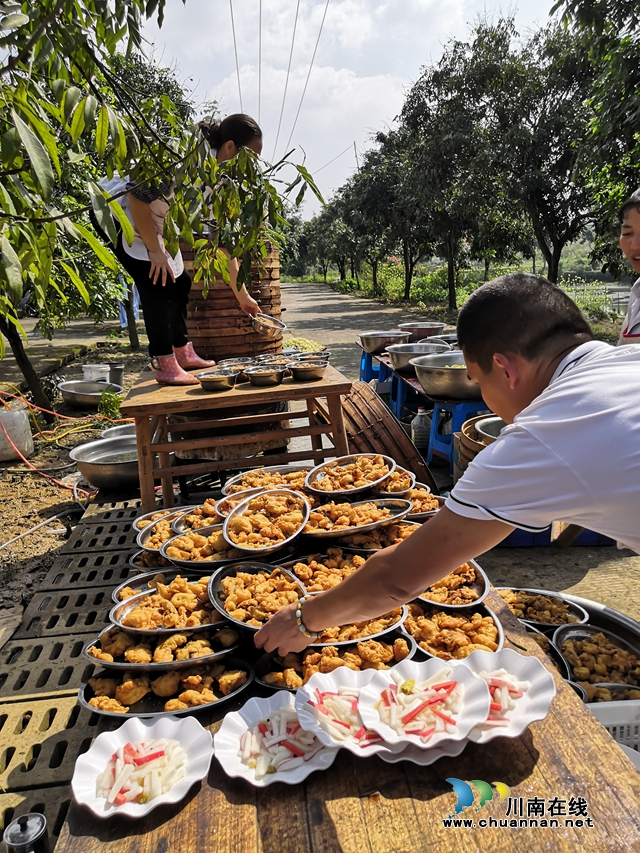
64, 105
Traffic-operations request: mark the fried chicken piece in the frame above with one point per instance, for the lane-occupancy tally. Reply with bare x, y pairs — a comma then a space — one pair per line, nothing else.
98, 654
166, 685
275, 679
175, 705
192, 698
375, 654
116, 642
227, 637
132, 689
164, 651
103, 687
400, 649
105, 703
291, 679
139, 654
127, 592
231, 680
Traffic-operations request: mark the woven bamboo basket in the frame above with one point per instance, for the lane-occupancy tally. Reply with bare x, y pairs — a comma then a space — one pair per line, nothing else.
470, 442
216, 325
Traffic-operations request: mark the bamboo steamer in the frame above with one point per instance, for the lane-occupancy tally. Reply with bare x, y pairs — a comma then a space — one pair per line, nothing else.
471, 442
216, 325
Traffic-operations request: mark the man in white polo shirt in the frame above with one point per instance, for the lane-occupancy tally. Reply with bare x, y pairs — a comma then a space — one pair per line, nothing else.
571, 453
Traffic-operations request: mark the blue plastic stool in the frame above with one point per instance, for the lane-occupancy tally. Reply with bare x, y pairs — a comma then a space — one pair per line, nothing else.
401, 394
368, 370
442, 443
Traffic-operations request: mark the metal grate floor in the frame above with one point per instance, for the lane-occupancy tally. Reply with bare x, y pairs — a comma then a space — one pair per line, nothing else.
110, 536
29, 668
100, 507
93, 570
59, 612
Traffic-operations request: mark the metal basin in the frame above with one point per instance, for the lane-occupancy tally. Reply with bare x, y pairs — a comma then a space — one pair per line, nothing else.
108, 464
439, 379
119, 431
450, 338
82, 394
266, 375
316, 355
217, 380
375, 342
401, 355
306, 371
490, 428
422, 329
267, 326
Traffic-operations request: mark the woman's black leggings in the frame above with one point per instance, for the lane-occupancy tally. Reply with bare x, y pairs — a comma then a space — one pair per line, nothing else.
164, 308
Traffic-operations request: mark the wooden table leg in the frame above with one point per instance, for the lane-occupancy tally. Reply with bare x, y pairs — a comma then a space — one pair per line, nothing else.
316, 440
145, 463
334, 402
165, 462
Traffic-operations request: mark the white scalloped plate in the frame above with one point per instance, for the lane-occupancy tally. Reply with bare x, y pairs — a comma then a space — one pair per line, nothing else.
474, 708
535, 703
227, 743
340, 677
193, 738
425, 757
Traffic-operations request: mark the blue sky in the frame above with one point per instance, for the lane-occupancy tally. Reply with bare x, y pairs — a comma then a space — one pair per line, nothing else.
369, 54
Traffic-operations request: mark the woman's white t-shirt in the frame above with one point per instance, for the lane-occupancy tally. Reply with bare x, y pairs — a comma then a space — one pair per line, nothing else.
572, 455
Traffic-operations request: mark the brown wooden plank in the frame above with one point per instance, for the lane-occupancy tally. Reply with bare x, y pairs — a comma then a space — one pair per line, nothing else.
206, 466
243, 438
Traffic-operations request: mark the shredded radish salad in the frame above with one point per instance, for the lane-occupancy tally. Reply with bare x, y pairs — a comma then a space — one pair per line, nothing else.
277, 744
421, 708
505, 690
337, 713
139, 772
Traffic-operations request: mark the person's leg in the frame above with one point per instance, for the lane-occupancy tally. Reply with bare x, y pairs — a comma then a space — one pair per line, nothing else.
182, 346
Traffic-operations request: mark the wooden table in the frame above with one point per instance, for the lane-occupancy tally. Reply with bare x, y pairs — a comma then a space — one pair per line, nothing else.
151, 404
366, 805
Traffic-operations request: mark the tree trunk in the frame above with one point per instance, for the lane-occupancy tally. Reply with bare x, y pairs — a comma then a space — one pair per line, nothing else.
325, 269
554, 263
487, 264
342, 268
408, 268
352, 263
374, 276
533, 265
22, 360
134, 340
451, 273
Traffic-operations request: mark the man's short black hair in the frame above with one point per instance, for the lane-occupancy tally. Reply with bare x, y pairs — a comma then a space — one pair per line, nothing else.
520, 313
632, 201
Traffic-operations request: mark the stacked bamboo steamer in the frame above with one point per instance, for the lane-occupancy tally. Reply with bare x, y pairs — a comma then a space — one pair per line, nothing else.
471, 442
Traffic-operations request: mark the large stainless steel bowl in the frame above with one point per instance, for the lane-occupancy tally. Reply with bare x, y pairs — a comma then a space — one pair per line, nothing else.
490, 428
439, 379
450, 338
108, 463
82, 394
375, 342
119, 431
267, 326
421, 329
401, 355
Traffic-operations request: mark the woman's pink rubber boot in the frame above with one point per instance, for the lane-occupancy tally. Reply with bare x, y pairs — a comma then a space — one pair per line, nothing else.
169, 372
189, 359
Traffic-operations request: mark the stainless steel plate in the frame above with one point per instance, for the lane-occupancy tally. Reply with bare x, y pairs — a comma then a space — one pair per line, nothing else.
381, 493
481, 608
317, 474
153, 706
119, 612
553, 652
585, 632
222, 506
252, 567
142, 567
271, 469
398, 507
147, 532
136, 521
480, 585
266, 549
125, 666
178, 523
423, 516
304, 559
357, 549
613, 688
139, 583
197, 565
574, 609
396, 626
265, 663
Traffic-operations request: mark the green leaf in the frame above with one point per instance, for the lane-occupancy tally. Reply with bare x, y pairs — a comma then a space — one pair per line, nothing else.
38, 156
71, 98
77, 281
58, 87
13, 21
102, 130
101, 251
13, 270
77, 122
102, 211
121, 216
90, 107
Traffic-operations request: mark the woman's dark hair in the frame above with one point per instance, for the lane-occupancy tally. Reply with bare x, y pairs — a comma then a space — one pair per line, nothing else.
632, 201
239, 128
520, 313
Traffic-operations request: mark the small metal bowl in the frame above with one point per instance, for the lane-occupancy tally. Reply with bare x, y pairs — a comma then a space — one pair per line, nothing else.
267, 549
490, 428
233, 362
318, 355
450, 338
82, 394
265, 663
549, 627
251, 567
267, 326
307, 371
153, 706
217, 380
481, 608
265, 376
585, 632
158, 668
317, 474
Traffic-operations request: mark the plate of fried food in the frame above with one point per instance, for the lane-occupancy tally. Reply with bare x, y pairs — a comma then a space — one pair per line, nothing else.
195, 517
550, 651
350, 474
143, 560
296, 668
230, 502
249, 593
453, 634
148, 518
424, 504
370, 629
336, 519
266, 522
169, 608
178, 691
397, 484
154, 535
545, 609
370, 541
272, 477
463, 587
143, 583
193, 547
595, 655
114, 648
609, 692
319, 572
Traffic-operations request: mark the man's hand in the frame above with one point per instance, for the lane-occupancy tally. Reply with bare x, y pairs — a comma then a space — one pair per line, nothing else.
282, 632
160, 267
